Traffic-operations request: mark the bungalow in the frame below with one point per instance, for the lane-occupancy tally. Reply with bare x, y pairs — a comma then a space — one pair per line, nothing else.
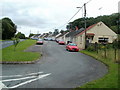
61, 36
95, 33
58, 36
36, 36
71, 36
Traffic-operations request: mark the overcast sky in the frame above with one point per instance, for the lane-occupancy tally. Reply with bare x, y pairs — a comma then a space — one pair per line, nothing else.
39, 16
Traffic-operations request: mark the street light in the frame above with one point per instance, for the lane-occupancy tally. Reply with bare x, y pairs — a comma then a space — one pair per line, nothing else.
82, 10
84, 20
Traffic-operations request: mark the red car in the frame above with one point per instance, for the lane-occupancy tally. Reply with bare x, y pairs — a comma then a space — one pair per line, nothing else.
72, 47
40, 42
61, 42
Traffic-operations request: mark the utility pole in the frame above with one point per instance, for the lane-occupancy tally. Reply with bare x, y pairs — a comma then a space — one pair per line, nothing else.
85, 22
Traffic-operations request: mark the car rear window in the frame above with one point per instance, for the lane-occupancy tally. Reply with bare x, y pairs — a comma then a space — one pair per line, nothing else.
72, 44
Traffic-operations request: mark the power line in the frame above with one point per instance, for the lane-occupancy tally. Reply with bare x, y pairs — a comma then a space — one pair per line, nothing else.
71, 17
74, 14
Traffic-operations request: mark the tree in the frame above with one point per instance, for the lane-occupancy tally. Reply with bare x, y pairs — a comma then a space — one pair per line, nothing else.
31, 34
50, 32
109, 20
62, 31
15, 42
56, 32
20, 35
0, 29
8, 28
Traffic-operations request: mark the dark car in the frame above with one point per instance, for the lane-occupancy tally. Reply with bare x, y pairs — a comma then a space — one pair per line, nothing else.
40, 41
69, 42
72, 47
57, 40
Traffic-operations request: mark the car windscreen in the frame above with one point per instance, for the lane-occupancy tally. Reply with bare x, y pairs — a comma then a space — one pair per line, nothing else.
72, 44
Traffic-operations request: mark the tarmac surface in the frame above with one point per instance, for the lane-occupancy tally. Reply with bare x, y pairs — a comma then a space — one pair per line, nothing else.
57, 68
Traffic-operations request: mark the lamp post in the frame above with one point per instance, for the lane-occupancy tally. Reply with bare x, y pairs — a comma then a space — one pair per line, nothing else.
84, 20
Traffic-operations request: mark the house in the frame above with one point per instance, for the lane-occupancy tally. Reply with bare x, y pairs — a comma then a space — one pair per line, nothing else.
58, 36
36, 36
95, 33
71, 36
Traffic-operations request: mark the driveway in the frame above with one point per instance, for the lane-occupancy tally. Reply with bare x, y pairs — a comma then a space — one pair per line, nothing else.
57, 68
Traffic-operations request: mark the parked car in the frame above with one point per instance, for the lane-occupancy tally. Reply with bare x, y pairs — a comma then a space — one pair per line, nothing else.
72, 47
69, 42
61, 42
57, 40
40, 41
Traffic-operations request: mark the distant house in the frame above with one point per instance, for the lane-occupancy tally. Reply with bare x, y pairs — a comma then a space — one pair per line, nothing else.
58, 36
62, 36
71, 36
36, 36
95, 33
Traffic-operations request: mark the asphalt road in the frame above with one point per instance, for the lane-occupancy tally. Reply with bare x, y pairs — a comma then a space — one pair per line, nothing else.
4, 44
57, 68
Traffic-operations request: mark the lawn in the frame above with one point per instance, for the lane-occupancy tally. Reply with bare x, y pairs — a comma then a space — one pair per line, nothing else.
110, 80
8, 54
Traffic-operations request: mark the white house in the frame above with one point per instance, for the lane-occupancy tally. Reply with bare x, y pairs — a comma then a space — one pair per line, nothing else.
95, 33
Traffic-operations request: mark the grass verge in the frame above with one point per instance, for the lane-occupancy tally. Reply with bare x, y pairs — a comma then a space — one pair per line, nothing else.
8, 54
110, 80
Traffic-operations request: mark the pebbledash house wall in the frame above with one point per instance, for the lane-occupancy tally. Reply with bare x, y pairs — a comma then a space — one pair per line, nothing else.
100, 30
80, 41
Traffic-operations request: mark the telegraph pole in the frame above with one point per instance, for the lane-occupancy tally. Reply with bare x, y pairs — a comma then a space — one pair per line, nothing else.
85, 22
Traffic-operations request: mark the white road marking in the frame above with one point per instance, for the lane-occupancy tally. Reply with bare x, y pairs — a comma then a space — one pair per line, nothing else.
18, 79
29, 81
2, 85
21, 75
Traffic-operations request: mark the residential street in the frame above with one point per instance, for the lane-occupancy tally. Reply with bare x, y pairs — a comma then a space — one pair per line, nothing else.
57, 68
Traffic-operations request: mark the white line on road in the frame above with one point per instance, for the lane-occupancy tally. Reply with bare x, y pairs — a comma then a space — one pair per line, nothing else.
18, 79
2, 85
29, 81
21, 75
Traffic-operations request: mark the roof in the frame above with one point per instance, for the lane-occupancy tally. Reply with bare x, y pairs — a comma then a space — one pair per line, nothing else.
87, 29
73, 33
90, 34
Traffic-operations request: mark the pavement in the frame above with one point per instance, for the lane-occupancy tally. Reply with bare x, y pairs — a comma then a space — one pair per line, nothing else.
57, 68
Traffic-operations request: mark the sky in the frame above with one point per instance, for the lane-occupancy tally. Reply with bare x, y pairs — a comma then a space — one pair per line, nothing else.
42, 16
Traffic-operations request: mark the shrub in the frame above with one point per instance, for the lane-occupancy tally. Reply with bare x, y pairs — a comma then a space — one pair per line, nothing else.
91, 48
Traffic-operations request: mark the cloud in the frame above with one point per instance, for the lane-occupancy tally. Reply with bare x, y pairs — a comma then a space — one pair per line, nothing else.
44, 15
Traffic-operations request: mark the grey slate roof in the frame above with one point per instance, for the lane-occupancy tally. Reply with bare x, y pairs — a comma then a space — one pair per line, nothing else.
71, 34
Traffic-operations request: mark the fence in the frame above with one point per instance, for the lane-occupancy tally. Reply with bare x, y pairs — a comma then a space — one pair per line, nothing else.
109, 51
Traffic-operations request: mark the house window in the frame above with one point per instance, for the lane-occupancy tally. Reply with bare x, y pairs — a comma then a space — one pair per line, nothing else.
102, 39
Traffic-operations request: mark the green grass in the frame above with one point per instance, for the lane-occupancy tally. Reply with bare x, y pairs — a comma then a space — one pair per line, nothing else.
110, 80
8, 54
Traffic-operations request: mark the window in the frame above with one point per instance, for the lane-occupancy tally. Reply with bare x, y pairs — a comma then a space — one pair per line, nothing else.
102, 39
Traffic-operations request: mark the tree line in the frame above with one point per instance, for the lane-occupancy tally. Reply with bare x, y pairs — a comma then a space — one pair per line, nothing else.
8, 29
110, 20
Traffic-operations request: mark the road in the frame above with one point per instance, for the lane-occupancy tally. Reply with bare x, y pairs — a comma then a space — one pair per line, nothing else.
57, 68
4, 44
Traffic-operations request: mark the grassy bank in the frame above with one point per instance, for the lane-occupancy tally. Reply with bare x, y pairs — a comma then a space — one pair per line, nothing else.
8, 54
110, 80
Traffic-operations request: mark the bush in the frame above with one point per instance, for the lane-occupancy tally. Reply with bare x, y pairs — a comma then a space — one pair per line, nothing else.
91, 48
